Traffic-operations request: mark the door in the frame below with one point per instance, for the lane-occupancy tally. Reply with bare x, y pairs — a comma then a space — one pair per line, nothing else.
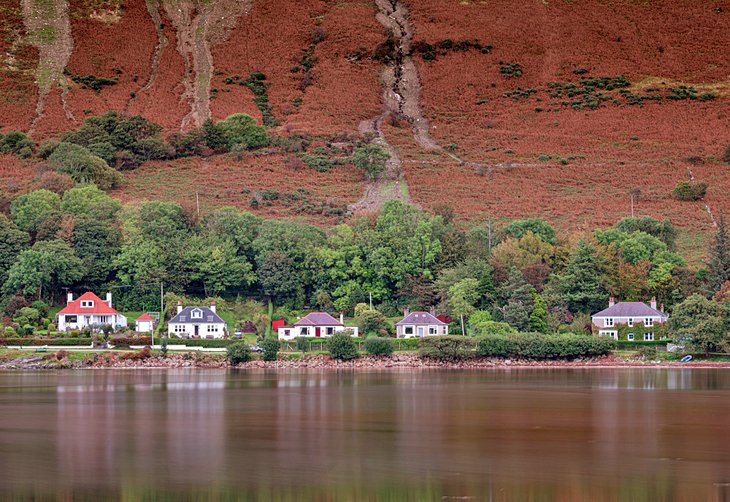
197, 329
316, 332
420, 331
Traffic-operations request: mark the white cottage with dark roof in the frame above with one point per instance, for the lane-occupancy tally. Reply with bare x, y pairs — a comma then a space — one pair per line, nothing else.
316, 324
633, 318
419, 324
196, 322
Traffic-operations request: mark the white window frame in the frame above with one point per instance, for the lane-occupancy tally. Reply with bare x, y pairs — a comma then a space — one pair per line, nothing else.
649, 337
87, 304
196, 314
630, 337
631, 322
329, 331
303, 331
433, 330
649, 322
609, 322
408, 330
612, 334
179, 328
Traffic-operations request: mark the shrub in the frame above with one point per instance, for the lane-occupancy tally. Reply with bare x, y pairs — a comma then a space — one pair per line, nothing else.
448, 348
540, 346
51, 328
83, 166
377, 346
371, 159
690, 190
125, 341
139, 355
373, 322
241, 129
302, 343
271, 349
163, 345
237, 353
342, 346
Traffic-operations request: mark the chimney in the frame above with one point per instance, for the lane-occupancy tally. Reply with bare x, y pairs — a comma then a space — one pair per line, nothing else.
69, 297
342, 318
179, 306
212, 306
406, 311
611, 302
432, 310
661, 309
109, 299
653, 302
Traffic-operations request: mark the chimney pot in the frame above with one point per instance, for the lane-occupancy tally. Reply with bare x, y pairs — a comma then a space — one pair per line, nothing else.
69, 297
653, 302
179, 306
611, 301
406, 311
109, 299
212, 307
342, 318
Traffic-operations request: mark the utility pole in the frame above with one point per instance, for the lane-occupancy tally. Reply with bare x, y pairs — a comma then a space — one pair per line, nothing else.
197, 204
371, 301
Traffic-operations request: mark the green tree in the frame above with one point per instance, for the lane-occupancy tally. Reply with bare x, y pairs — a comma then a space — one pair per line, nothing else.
700, 324
539, 315
217, 266
663, 230
462, 297
373, 322
719, 257
30, 210
90, 201
371, 159
519, 297
12, 242
581, 287
537, 226
238, 353
271, 346
42, 269
97, 243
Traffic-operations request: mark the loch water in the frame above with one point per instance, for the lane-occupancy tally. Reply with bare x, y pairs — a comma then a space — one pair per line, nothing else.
521, 434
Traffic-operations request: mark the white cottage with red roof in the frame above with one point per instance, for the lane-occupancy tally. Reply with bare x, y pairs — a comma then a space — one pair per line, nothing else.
89, 311
316, 324
144, 324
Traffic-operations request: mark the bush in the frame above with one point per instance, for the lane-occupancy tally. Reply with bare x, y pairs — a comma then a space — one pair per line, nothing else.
371, 160
302, 343
83, 166
540, 346
163, 345
690, 190
241, 129
448, 348
271, 349
217, 343
37, 342
125, 341
342, 346
377, 346
237, 353
373, 322
51, 328
144, 353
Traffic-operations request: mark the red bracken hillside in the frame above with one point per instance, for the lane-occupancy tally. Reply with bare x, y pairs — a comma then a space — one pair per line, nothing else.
549, 108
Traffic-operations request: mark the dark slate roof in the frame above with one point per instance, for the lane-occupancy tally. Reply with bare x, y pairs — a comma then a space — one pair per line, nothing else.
208, 316
630, 309
318, 319
420, 319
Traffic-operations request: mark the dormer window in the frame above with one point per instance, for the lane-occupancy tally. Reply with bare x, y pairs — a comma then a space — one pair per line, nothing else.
196, 314
87, 304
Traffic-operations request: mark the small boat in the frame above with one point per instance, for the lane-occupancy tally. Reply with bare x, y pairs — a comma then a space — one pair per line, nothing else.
44, 348
686, 359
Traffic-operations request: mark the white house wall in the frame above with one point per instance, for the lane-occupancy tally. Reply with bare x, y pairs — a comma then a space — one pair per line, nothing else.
186, 330
296, 331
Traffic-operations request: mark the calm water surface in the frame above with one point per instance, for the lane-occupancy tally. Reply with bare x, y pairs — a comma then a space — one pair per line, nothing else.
600, 434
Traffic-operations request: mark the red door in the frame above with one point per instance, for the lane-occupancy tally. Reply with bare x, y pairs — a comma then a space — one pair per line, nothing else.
316, 332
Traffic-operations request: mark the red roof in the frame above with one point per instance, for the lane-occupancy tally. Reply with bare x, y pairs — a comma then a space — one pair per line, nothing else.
145, 317
100, 306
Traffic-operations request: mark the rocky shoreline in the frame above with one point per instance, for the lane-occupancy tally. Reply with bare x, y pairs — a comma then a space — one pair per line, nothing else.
117, 360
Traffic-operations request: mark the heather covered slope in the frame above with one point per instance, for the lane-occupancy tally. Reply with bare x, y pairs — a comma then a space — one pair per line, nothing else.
480, 103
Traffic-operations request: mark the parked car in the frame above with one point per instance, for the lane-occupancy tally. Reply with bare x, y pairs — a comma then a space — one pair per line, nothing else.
255, 348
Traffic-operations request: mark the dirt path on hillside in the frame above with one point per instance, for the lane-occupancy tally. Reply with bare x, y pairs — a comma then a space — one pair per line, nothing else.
199, 25
49, 30
707, 206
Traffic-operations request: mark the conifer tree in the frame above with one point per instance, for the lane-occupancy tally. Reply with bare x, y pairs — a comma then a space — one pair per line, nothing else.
719, 254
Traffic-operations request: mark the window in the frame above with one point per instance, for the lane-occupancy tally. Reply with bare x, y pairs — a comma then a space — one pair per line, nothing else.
612, 334
408, 330
648, 321
648, 337
631, 322
196, 314
87, 304
609, 321
179, 328
330, 331
432, 330
104, 319
287, 332
212, 328
630, 337
71, 319
304, 332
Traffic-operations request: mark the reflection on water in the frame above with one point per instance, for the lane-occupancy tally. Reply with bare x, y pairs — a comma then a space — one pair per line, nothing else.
629, 434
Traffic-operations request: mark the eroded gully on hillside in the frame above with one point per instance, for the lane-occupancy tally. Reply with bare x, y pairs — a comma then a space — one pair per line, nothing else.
199, 25
49, 30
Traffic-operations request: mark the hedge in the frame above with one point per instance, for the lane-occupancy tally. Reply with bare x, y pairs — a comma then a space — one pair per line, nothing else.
38, 342
448, 348
623, 344
539, 346
125, 341
220, 343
